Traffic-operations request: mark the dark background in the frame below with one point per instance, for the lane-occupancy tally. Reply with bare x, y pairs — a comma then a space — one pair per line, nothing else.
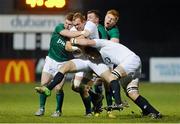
151, 28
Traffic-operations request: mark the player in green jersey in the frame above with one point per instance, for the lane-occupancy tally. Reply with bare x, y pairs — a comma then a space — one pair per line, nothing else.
110, 24
57, 55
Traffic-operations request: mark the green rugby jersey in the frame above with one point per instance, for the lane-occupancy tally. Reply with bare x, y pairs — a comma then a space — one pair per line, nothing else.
102, 32
113, 32
57, 45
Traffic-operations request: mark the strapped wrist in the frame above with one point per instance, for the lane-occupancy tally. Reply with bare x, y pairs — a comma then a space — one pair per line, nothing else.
73, 41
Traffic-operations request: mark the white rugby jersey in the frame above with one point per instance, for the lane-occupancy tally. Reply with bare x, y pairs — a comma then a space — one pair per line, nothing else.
111, 52
92, 28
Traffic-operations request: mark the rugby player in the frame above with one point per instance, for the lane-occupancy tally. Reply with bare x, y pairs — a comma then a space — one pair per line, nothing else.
128, 69
57, 55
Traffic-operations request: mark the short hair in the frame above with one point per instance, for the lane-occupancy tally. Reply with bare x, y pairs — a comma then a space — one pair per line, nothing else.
96, 12
69, 16
114, 13
79, 15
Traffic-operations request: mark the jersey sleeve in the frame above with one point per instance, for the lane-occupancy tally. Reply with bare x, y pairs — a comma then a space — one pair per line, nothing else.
102, 32
114, 33
100, 43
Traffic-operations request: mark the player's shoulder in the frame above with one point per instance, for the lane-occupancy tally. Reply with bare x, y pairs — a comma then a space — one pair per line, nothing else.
60, 25
114, 29
90, 23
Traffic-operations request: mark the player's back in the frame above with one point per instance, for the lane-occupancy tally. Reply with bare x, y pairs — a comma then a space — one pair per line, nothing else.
113, 52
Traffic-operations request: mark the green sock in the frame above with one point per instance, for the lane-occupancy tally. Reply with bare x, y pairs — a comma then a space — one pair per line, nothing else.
42, 99
59, 100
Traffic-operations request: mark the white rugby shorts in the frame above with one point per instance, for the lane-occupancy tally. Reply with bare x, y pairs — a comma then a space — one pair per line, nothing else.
51, 66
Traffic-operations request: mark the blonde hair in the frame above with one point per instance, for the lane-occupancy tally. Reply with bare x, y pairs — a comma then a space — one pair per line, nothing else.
114, 12
79, 15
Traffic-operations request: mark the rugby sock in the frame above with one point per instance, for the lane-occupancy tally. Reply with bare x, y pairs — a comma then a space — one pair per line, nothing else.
57, 79
87, 103
115, 88
42, 99
92, 93
108, 98
95, 98
98, 88
145, 106
59, 100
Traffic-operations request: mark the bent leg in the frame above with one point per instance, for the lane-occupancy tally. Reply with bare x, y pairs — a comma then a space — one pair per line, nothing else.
140, 101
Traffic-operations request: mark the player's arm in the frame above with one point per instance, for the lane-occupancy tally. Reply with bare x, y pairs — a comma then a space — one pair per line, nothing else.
115, 40
85, 33
115, 35
83, 42
70, 34
70, 48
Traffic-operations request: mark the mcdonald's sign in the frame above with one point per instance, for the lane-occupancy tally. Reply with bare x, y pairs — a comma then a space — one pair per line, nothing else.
16, 71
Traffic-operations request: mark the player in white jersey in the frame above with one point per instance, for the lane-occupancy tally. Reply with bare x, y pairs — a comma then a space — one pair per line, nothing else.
89, 30
128, 69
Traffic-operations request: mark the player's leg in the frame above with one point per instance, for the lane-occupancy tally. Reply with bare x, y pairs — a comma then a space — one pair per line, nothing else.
45, 79
79, 85
133, 93
133, 68
68, 66
59, 99
98, 88
86, 99
95, 98
113, 85
109, 101
104, 72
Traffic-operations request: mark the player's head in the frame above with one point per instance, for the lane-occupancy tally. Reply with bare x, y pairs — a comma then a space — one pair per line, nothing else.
111, 18
79, 21
93, 16
91, 52
68, 24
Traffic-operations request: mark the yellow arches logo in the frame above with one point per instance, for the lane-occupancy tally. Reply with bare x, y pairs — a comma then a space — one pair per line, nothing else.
17, 71
17, 67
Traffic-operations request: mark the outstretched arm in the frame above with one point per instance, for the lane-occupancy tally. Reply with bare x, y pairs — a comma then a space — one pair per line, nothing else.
83, 42
70, 34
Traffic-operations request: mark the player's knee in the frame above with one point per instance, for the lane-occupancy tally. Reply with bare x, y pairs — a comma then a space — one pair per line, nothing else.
132, 94
58, 91
69, 66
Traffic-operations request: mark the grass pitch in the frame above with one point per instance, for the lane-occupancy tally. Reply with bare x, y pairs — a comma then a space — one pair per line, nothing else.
18, 103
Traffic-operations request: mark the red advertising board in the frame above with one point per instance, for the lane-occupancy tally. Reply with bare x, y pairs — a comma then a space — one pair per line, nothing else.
17, 71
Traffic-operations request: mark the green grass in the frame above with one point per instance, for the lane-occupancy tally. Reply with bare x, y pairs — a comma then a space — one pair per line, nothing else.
18, 102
